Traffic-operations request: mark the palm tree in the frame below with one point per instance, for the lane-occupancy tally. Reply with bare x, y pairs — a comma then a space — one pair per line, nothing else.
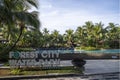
98, 33
79, 33
31, 38
113, 33
112, 30
14, 13
55, 37
88, 30
69, 37
46, 37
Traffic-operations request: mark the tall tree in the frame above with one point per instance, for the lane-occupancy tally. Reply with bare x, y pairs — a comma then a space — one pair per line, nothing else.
46, 37
15, 13
98, 33
69, 37
114, 35
55, 37
79, 33
88, 30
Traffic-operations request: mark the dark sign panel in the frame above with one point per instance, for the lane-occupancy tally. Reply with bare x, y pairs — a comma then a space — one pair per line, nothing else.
44, 58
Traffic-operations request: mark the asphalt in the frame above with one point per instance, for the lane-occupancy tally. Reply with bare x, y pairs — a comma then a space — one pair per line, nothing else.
98, 66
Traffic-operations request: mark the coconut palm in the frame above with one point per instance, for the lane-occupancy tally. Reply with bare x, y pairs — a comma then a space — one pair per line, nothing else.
14, 13
98, 33
112, 30
69, 37
46, 37
55, 37
31, 38
113, 33
88, 30
79, 40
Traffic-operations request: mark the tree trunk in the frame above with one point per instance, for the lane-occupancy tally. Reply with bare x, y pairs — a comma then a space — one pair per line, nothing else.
21, 30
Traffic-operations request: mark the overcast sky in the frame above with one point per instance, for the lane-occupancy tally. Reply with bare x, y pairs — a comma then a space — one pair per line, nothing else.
69, 14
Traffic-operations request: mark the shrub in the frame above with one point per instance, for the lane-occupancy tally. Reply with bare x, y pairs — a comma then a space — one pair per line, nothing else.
6, 64
15, 71
90, 48
78, 62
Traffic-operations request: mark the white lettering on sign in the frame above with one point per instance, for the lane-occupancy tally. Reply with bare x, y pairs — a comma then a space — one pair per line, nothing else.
40, 59
33, 62
44, 54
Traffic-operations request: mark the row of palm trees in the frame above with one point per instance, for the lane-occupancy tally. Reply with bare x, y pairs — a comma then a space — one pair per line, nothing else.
97, 34
94, 35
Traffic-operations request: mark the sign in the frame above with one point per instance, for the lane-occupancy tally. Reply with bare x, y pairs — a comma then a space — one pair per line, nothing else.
44, 59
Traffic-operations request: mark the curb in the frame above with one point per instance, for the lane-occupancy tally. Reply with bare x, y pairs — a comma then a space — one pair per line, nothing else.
50, 76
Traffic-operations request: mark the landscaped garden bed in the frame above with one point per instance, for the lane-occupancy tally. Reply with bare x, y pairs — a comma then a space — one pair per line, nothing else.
35, 71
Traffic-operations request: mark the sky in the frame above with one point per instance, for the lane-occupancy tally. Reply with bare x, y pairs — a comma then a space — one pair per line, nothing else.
69, 14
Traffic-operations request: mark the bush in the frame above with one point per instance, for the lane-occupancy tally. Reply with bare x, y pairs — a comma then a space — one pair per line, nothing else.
78, 62
86, 48
16, 71
6, 64
90, 48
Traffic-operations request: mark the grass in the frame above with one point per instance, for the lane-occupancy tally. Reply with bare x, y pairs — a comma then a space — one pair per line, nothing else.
62, 70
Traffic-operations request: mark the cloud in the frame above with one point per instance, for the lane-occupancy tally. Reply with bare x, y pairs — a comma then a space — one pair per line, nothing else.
52, 13
63, 17
46, 6
63, 21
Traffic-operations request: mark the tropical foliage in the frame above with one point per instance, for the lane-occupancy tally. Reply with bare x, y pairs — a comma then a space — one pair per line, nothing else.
19, 28
15, 19
93, 36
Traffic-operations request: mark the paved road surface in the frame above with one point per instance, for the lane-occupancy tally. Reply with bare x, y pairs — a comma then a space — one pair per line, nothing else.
98, 66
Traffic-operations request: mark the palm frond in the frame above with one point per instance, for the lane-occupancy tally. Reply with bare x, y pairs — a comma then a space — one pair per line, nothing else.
33, 3
28, 18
